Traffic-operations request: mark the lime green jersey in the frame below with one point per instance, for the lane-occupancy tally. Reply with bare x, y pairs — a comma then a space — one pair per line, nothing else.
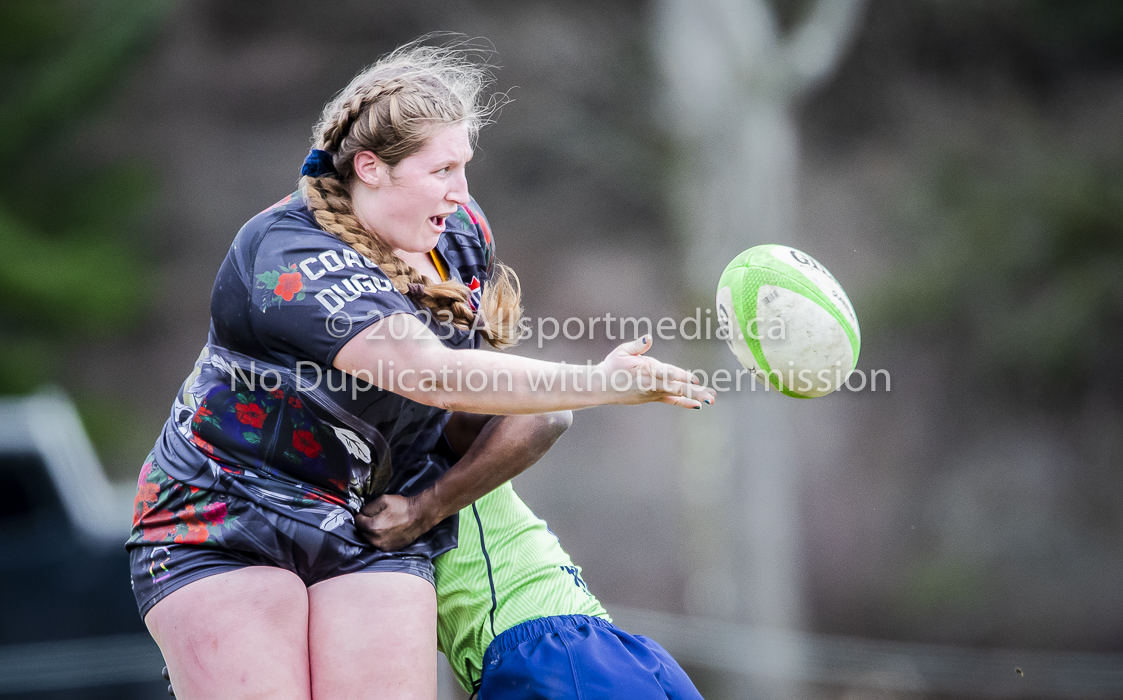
507, 568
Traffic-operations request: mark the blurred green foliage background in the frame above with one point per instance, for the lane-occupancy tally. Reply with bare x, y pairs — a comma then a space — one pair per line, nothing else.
1012, 231
73, 266
1019, 266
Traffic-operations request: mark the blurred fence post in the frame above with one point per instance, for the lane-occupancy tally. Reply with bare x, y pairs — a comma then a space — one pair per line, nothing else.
731, 78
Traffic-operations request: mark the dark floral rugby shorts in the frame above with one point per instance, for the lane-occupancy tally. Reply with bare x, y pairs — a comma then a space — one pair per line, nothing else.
182, 533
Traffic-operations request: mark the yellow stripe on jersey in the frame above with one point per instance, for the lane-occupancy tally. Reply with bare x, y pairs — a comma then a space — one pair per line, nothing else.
442, 269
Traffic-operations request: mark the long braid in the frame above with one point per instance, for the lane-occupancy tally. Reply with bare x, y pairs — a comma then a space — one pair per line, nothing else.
333, 132
402, 96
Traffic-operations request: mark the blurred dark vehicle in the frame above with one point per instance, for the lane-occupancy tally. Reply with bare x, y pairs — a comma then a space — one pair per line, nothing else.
69, 626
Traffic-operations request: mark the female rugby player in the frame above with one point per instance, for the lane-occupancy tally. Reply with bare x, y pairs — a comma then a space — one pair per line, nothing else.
346, 321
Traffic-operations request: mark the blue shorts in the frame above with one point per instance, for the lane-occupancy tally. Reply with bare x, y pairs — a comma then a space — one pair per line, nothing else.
579, 657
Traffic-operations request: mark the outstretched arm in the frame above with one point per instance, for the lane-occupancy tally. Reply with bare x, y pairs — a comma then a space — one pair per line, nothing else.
495, 449
428, 372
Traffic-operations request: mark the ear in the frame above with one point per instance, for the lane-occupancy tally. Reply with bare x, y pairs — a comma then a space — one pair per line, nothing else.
370, 169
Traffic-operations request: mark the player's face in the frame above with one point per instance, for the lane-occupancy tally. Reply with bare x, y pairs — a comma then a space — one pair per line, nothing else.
408, 204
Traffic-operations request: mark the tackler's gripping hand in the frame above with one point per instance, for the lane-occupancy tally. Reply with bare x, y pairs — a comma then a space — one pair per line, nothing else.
391, 522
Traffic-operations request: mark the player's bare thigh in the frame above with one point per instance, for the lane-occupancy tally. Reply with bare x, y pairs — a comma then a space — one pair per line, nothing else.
236, 635
373, 635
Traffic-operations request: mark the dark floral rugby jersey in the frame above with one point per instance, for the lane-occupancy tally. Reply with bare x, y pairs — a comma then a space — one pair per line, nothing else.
265, 416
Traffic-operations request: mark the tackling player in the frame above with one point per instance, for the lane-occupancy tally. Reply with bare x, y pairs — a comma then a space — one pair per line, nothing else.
515, 618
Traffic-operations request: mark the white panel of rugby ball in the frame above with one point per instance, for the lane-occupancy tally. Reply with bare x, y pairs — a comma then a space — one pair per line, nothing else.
788, 321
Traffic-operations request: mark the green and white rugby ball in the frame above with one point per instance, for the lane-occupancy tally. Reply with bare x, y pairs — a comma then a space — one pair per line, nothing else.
788, 321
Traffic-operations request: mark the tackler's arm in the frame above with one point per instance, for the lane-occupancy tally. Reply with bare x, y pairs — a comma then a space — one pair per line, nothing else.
495, 449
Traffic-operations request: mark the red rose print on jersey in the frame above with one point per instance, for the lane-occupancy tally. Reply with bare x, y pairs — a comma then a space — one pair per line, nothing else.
203, 445
146, 495
288, 285
214, 513
201, 414
250, 414
304, 441
282, 284
160, 526
145, 471
196, 531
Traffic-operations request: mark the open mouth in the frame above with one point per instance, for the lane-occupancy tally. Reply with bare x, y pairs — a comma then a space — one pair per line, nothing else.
438, 221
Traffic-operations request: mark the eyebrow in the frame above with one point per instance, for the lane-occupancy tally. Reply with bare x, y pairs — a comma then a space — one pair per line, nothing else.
451, 161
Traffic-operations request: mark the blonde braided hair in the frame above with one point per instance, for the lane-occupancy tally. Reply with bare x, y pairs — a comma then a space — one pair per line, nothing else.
391, 109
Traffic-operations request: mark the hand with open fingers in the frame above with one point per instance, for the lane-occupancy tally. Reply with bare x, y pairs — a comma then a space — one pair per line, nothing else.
391, 522
639, 379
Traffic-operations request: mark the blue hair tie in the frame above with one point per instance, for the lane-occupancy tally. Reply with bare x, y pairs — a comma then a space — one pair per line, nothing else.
318, 164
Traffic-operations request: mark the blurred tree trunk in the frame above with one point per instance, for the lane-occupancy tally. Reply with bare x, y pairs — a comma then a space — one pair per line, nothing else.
732, 79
